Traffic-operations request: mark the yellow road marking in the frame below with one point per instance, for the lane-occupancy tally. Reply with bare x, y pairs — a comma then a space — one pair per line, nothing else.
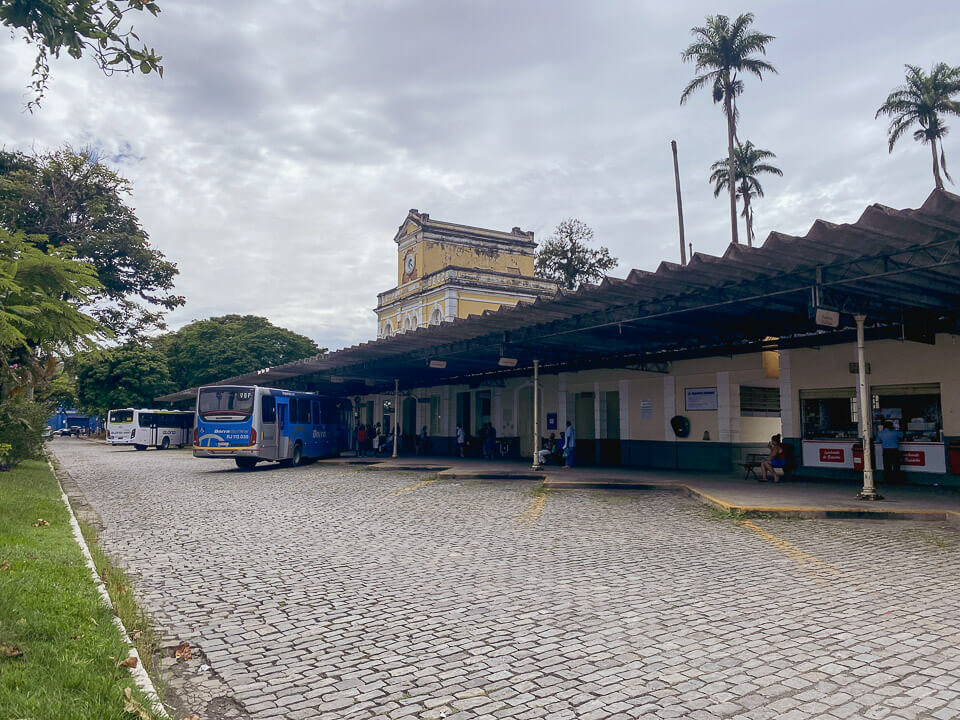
411, 488
529, 517
799, 556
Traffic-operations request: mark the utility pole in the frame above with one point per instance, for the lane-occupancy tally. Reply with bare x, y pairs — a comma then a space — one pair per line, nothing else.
676, 177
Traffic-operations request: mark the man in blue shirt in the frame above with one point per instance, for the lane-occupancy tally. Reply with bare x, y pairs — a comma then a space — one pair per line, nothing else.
569, 443
890, 439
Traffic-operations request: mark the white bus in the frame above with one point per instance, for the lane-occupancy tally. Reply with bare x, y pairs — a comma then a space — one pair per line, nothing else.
145, 428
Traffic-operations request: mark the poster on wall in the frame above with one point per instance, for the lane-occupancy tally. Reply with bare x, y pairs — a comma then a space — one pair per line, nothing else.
704, 398
551, 421
646, 409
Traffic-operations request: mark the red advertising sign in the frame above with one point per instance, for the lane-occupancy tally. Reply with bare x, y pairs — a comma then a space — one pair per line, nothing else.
916, 458
831, 455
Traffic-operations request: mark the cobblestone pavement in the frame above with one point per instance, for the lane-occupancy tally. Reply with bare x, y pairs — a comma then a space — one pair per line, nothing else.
324, 592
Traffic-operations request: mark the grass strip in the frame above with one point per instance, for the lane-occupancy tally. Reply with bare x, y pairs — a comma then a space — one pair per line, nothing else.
58, 645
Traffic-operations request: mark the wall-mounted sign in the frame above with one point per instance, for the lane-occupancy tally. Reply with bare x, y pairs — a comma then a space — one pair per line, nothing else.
828, 318
832, 455
704, 398
551, 421
646, 409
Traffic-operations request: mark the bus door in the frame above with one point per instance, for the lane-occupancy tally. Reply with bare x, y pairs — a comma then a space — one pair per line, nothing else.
284, 446
269, 433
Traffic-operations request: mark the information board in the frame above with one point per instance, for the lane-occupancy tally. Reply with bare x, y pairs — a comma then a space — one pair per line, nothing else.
704, 398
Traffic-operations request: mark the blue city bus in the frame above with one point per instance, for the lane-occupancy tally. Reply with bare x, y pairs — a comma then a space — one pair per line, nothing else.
253, 424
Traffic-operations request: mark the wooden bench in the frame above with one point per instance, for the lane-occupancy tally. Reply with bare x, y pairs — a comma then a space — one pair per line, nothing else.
751, 464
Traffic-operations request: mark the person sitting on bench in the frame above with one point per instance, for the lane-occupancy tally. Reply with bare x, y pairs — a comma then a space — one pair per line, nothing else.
775, 461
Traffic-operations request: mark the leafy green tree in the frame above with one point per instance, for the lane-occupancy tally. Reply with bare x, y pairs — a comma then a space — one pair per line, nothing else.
130, 375
214, 349
71, 198
721, 51
38, 323
749, 164
39, 317
567, 258
924, 100
97, 27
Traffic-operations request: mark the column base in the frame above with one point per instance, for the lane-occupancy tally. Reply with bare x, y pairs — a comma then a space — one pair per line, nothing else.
536, 466
869, 495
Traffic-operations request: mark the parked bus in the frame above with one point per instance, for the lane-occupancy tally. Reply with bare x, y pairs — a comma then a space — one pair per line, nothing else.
145, 428
252, 424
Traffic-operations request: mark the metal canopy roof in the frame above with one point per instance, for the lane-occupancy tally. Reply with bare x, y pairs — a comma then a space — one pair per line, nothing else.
899, 267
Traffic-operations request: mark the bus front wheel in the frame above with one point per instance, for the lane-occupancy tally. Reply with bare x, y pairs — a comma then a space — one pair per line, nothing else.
165, 445
245, 463
297, 455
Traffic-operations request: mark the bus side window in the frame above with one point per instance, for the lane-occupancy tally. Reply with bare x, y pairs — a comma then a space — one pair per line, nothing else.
315, 409
282, 414
268, 409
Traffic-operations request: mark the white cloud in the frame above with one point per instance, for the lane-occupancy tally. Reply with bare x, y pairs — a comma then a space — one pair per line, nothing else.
286, 141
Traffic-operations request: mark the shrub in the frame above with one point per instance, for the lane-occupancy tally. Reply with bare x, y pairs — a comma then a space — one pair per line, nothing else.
21, 428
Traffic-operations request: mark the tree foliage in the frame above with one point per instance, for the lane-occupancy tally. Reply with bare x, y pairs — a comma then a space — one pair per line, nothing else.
924, 100
96, 27
71, 198
39, 315
130, 375
722, 51
749, 163
220, 347
567, 258
39, 320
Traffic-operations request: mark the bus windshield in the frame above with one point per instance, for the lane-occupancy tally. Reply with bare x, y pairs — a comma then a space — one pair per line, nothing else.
121, 416
225, 403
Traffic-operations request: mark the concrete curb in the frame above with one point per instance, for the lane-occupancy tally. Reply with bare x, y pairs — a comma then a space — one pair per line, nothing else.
805, 513
140, 676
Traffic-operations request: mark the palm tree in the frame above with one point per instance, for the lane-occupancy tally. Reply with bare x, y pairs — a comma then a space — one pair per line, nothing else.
924, 99
749, 163
721, 51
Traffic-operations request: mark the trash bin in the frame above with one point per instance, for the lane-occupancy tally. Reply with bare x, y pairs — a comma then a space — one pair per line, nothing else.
953, 456
858, 458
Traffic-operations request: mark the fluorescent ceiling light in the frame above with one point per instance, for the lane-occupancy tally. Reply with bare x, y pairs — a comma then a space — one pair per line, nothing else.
507, 362
438, 364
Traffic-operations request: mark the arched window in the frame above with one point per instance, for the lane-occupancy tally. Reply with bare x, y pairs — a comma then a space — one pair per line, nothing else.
435, 317
406, 324
387, 329
414, 322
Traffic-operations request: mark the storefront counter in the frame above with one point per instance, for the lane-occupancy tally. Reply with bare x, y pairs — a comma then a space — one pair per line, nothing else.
838, 454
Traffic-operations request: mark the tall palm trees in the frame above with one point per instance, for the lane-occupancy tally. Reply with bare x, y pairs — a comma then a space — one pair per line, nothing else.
924, 99
749, 163
721, 51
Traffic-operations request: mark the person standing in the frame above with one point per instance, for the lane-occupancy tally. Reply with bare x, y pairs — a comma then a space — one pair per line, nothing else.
361, 440
490, 442
890, 439
569, 443
461, 440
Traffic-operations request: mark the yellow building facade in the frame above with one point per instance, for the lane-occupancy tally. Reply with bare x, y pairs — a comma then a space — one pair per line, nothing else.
447, 271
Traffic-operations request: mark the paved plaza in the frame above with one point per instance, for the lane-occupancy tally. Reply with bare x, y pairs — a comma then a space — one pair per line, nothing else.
338, 592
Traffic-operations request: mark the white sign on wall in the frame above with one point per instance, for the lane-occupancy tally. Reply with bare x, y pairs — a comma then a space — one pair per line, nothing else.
646, 409
704, 398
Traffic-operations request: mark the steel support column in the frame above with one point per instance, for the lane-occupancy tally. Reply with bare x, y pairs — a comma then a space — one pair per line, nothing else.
396, 415
868, 492
536, 416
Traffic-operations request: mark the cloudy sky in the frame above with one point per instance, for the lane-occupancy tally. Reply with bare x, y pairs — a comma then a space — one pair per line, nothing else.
275, 159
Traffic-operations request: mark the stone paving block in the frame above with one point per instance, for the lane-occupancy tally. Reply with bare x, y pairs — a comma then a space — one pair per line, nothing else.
315, 593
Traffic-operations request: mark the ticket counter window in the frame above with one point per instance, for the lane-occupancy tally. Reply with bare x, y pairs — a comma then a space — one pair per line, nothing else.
829, 414
913, 409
